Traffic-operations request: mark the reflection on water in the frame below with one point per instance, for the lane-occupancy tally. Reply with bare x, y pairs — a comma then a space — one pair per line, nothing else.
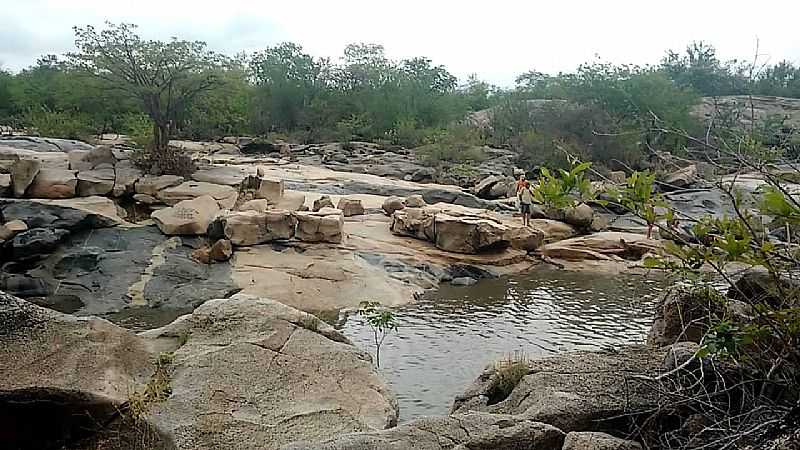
446, 339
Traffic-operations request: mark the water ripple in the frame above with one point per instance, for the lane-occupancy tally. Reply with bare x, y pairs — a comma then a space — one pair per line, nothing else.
447, 338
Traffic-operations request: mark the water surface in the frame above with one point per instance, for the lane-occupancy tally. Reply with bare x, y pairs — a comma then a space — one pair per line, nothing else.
446, 339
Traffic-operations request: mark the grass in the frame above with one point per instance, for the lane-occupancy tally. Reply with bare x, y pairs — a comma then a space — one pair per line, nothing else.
508, 374
157, 390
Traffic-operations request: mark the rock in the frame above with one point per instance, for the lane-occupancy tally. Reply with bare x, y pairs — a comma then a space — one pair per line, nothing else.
202, 254
322, 202
222, 250
146, 199
606, 245
599, 223
22, 285
23, 172
125, 180
83, 160
680, 316
96, 182
259, 205
473, 431
680, 179
573, 391
505, 188
326, 225
758, 286
16, 226
392, 204
415, 222
553, 230
227, 175
224, 195
5, 185
580, 216
617, 177
469, 234
351, 207
53, 183
5, 234
291, 201
187, 217
270, 189
463, 281
44, 144
423, 175
682, 354
592, 440
414, 201
483, 188
525, 238
34, 214
251, 227
152, 185
280, 370
35, 242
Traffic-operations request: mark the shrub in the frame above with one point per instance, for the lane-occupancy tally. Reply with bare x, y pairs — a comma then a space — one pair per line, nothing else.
60, 124
139, 129
167, 161
456, 144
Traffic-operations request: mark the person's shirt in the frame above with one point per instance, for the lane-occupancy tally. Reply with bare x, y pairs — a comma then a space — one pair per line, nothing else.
526, 195
520, 186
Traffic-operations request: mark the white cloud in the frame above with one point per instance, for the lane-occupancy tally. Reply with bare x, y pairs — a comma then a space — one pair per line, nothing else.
495, 39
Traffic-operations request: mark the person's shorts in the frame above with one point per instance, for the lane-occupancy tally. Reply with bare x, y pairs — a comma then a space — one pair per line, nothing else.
525, 208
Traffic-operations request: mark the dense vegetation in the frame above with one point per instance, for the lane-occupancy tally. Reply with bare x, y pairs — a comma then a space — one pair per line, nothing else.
152, 90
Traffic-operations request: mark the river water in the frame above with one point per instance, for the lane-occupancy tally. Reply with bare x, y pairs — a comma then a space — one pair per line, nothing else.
446, 339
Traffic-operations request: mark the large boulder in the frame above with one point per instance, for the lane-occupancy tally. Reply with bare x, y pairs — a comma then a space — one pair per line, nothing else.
252, 227
23, 172
554, 230
151, 185
259, 204
85, 160
473, 431
125, 180
34, 242
221, 251
242, 372
5, 185
681, 179
96, 182
758, 286
574, 391
469, 234
53, 183
682, 315
224, 195
592, 440
257, 374
188, 217
326, 225
350, 207
414, 222
44, 144
493, 187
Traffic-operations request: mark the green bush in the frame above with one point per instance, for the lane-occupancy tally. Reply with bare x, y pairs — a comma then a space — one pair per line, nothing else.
60, 124
457, 144
139, 129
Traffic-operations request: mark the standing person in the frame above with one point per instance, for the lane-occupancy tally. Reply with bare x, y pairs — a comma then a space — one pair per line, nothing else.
525, 203
520, 184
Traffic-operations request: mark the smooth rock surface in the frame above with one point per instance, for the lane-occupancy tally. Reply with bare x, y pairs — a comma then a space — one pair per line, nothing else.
326, 225
96, 182
252, 227
187, 217
23, 172
152, 185
224, 195
53, 183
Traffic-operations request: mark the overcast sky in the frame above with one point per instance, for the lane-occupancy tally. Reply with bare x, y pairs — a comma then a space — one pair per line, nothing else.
497, 39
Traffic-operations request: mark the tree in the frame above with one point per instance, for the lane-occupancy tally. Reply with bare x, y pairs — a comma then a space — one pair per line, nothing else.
164, 77
7, 106
700, 69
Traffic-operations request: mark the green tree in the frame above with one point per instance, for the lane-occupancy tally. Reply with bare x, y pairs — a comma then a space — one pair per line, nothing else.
165, 78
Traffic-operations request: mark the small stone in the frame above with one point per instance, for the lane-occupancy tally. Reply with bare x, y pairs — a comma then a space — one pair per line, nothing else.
17, 226
351, 207
202, 255
222, 250
463, 281
392, 204
414, 201
322, 202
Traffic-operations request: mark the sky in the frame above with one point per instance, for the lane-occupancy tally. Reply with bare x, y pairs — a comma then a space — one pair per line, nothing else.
495, 39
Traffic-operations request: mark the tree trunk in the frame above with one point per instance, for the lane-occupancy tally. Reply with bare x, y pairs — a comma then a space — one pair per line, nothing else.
160, 135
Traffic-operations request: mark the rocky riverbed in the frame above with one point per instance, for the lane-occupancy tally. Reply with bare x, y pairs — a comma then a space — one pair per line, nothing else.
177, 312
